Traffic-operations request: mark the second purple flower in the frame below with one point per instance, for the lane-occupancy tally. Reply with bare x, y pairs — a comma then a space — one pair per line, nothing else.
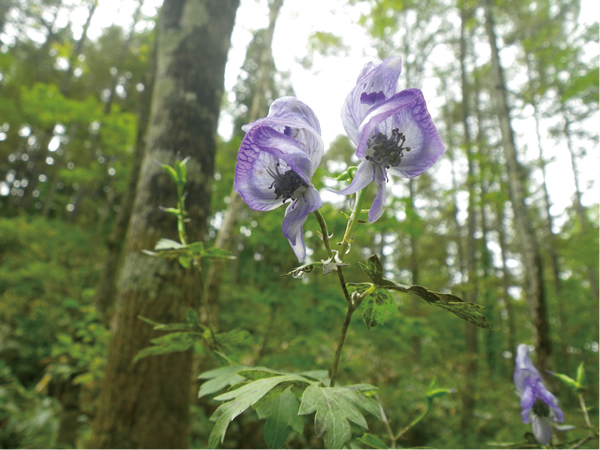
393, 131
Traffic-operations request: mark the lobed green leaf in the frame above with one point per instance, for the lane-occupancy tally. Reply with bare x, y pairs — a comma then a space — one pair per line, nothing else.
335, 408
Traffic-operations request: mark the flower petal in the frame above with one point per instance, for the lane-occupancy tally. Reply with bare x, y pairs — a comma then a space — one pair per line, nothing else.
542, 429
261, 149
378, 205
365, 173
527, 400
291, 117
524, 368
379, 78
551, 401
295, 216
406, 111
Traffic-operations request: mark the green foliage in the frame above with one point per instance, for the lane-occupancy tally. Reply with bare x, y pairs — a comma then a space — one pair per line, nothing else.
335, 408
265, 387
380, 303
282, 418
28, 418
274, 395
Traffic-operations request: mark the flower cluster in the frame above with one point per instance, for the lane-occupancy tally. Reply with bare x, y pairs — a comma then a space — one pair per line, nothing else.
538, 405
279, 154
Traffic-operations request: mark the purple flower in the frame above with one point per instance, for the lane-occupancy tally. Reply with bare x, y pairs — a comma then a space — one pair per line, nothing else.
393, 131
276, 161
539, 406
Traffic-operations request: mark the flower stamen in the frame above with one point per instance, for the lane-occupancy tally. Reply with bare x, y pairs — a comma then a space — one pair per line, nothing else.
288, 185
387, 151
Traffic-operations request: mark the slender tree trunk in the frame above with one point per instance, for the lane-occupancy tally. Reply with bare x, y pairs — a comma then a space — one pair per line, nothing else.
105, 292
472, 291
592, 273
531, 260
65, 86
550, 236
224, 237
146, 404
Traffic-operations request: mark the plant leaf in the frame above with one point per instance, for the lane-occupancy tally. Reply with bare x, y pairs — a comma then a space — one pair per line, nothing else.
372, 441
172, 342
220, 378
282, 417
335, 408
377, 304
167, 244
217, 253
240, 400
457, 306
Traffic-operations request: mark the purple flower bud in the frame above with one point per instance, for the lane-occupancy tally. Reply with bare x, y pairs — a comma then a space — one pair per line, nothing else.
393, 131
276, 162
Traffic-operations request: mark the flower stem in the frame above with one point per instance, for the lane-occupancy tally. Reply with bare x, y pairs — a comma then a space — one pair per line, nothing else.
324, 231
338, 352
585, 411
360, 198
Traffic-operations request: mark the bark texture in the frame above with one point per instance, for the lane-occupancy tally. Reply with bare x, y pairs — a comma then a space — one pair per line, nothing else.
145, 405
531, 259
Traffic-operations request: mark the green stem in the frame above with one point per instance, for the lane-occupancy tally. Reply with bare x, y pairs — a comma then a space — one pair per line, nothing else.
324, 231
386, 422
585, 412
416, 421
338, 352
360, 198
181, 220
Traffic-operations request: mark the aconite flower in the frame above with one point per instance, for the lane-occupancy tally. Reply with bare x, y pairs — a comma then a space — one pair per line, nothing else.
393, 131
276, 161
538, 405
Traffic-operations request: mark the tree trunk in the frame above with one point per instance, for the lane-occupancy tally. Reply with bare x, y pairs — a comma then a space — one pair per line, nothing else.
224, 238
592, 273
472, 289
145, 405
530, 255
105, 292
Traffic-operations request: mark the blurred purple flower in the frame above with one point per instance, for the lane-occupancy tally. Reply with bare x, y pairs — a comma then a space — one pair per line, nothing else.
393, 131
276, 161
539, 406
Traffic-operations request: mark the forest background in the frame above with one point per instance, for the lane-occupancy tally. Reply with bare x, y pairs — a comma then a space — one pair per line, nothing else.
74, 110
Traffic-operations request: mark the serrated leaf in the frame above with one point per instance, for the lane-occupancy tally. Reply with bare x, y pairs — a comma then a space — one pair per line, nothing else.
457, 306
185, 261
258, 373
285, 408
167, 244
319, 375
217, 253
197, 248
242, 399
358, 287
372, 441
219, 379
282, 416
334, 409
232, 337
377, 304
172, 342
